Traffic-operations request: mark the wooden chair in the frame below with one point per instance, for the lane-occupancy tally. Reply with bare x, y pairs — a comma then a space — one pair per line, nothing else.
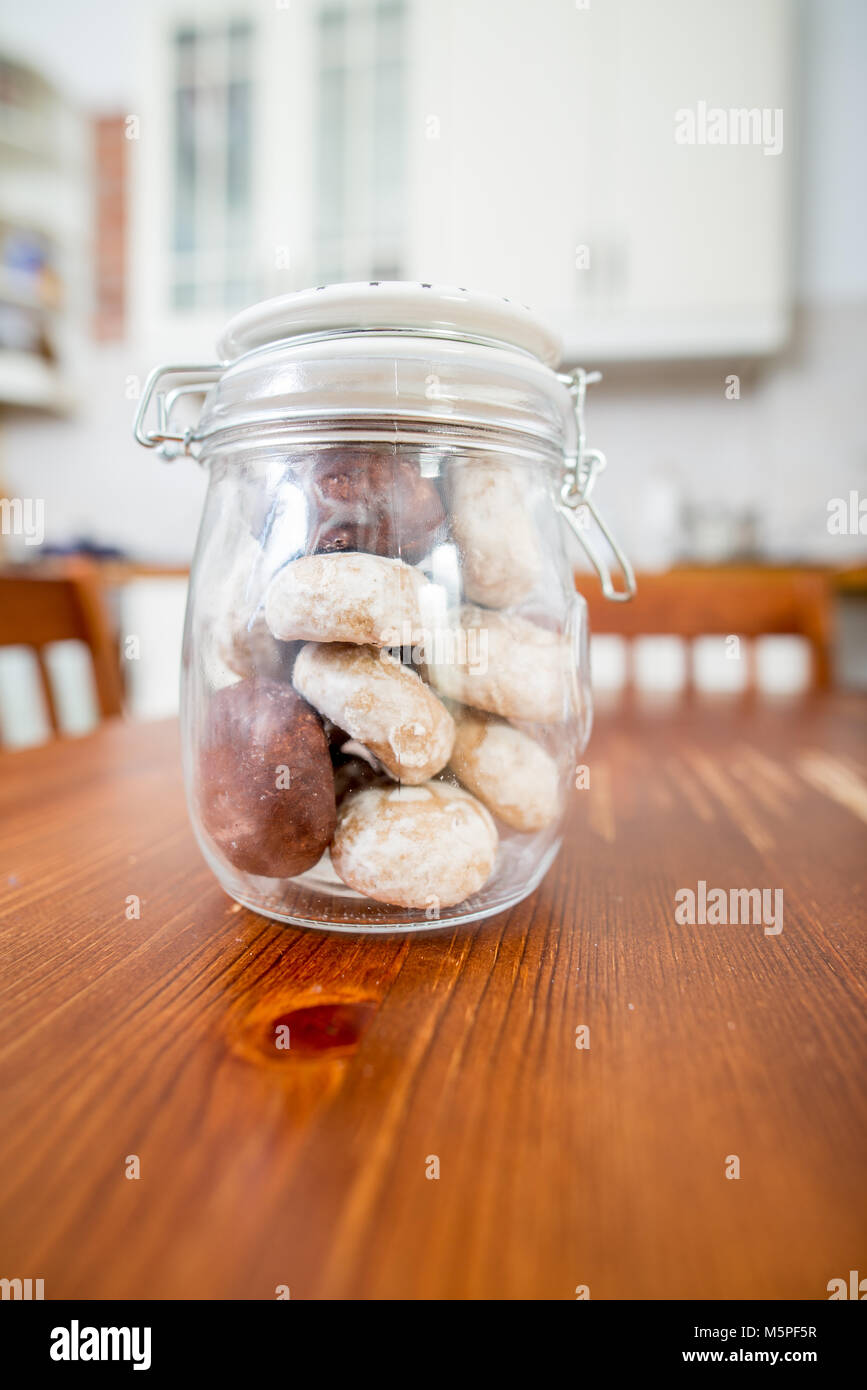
739, 600
58, 606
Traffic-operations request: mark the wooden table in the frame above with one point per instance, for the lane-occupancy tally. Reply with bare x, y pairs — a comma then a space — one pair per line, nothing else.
559, 1166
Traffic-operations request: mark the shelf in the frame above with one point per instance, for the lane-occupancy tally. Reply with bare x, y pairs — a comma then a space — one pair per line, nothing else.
26, 380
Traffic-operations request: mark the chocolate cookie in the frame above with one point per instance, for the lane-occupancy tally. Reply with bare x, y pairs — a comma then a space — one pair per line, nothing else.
373, 500
266, 788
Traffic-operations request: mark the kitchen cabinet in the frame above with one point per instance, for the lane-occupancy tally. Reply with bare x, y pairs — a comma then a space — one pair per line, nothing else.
537, 151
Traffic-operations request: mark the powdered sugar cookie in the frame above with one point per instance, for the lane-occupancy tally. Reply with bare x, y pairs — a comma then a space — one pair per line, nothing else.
500, 550
507, 770
422, 847
379, 702
344, 597
504, 664
235, 640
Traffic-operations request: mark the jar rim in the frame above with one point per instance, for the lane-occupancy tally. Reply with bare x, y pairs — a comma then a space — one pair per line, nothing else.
280, 436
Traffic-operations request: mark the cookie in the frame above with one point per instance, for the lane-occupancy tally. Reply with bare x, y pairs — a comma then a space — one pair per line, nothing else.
265, 788
234, 639
506, 769
425, 847
504, 664
354, 597
371, 498
501, 556
380, 703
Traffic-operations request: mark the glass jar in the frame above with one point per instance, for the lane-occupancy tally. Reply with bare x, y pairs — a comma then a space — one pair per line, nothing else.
385, 686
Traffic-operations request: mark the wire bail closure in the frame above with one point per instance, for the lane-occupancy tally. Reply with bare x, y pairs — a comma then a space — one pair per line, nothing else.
579, 479
167, 444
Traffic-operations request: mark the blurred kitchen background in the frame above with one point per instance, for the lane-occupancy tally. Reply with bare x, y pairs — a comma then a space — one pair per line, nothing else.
166, 163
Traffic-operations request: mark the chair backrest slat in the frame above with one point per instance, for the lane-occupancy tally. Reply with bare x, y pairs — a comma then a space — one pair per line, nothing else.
744, 601
68, 605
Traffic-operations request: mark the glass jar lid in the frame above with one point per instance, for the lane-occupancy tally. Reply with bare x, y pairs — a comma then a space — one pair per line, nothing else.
389, 356
372, 357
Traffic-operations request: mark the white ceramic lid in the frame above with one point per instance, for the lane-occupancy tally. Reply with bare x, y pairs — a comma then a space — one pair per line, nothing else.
394, 305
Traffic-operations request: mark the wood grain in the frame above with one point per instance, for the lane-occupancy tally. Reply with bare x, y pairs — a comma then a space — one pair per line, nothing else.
558, 1166
60, 602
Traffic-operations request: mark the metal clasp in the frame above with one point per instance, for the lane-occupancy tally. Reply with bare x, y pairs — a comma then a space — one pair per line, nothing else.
168, 444
579, 478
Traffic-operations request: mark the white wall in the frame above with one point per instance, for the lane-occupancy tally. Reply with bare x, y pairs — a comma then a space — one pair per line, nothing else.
95, 480
87, 47
793, 440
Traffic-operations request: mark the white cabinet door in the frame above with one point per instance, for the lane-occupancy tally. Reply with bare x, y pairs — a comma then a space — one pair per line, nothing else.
547, 167
500, 147
693, 240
